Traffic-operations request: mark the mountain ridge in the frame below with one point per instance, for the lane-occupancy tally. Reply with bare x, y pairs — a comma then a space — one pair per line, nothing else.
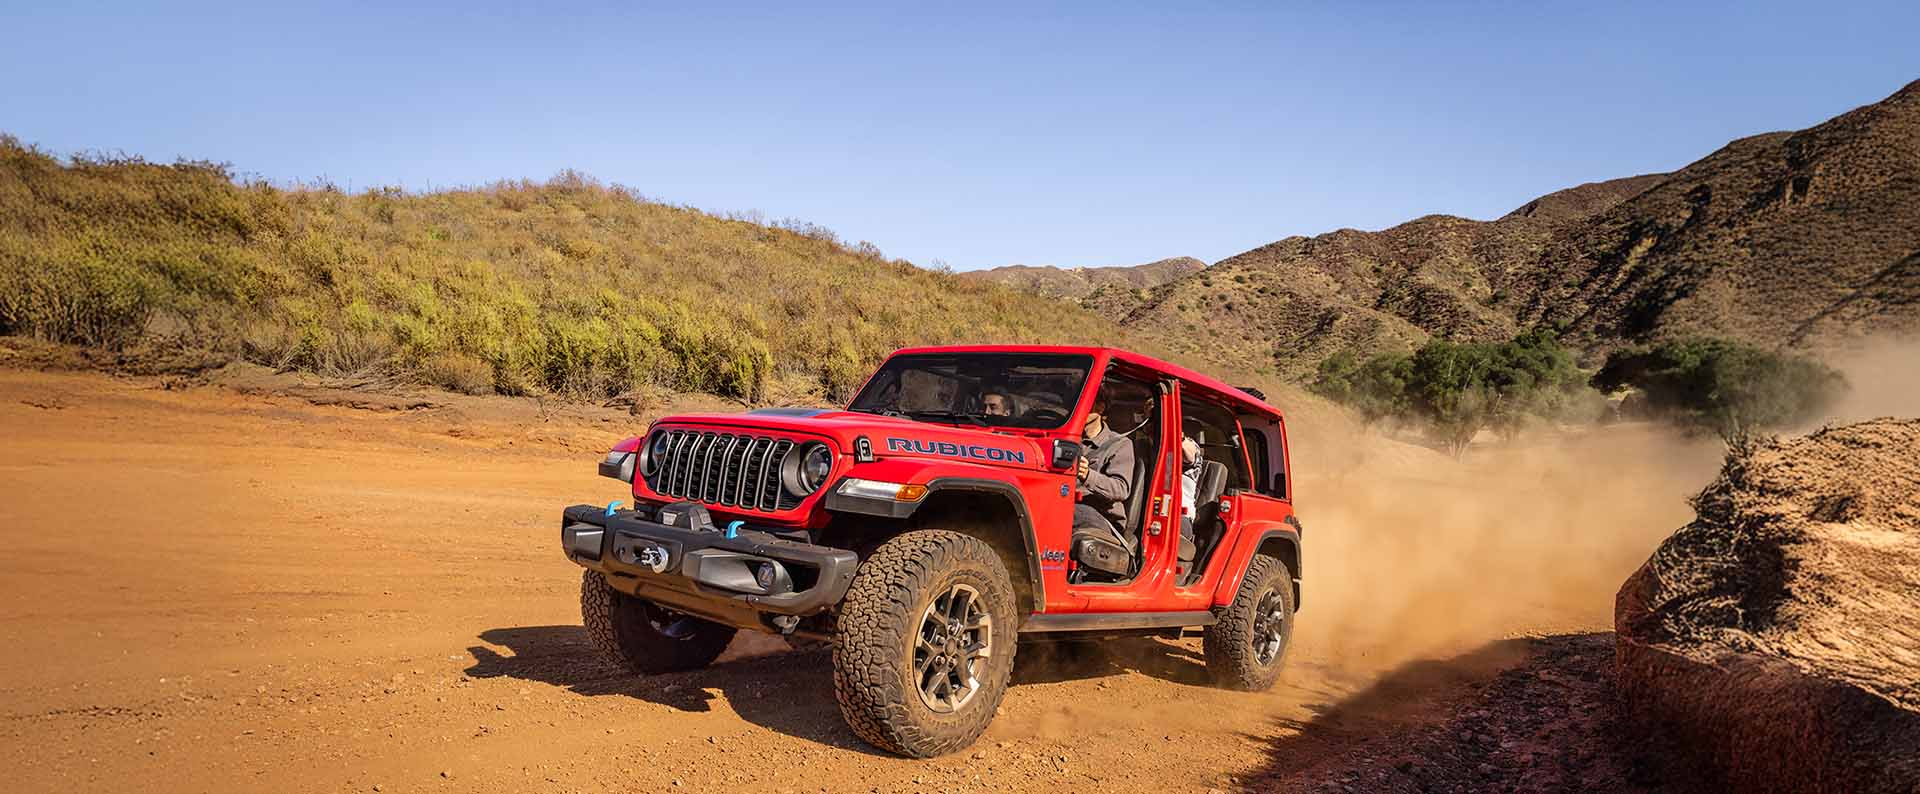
1805, 239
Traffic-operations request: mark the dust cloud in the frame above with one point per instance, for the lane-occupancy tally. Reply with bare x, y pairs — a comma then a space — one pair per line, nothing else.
1883, 378
1411, 555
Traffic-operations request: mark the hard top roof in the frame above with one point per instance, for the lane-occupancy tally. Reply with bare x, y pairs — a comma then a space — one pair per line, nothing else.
1206, 383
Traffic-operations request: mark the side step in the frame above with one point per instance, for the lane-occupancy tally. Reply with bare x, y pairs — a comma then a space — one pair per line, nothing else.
1115, 621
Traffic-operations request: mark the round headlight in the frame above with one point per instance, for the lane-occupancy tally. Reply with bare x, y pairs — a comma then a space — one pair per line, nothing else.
806, 469
654, 452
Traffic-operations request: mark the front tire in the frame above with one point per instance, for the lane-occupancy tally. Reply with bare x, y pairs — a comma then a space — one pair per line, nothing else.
924, 643
1247, 646
645, 637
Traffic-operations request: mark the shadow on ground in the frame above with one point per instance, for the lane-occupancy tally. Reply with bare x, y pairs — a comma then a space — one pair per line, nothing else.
1523, 715
790, 691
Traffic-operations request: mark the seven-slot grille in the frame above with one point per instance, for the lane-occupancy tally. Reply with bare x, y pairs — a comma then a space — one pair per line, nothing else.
735, 470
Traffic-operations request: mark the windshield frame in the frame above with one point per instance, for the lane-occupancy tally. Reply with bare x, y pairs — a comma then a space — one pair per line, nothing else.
1070, 405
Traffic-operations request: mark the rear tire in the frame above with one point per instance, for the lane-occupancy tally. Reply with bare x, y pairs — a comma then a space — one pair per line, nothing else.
924, 643
1247, 646
644, 637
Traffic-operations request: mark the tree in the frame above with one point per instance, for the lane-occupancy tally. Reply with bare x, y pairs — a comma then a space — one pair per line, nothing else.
1722, 386
1537, 378
1450, 385
1459, 389
1374, 388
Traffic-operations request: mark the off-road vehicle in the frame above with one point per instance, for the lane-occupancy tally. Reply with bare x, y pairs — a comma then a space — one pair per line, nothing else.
927, 529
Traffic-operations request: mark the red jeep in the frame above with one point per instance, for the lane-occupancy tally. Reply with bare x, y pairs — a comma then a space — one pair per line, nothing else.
930, 526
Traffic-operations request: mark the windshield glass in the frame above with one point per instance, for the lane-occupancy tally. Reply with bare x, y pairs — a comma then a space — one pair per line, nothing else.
1034, 390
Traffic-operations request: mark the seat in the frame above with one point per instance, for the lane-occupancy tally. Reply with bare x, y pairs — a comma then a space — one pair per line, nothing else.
1143, 455
1102, 554
1207, 490
1099, 552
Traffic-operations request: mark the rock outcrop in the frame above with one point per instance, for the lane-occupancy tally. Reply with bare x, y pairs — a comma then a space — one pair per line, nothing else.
1777, 637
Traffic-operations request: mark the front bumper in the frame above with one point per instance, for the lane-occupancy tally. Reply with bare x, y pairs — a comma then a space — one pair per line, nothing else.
706, 573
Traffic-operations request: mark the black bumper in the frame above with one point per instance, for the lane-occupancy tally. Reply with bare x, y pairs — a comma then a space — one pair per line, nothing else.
704, 572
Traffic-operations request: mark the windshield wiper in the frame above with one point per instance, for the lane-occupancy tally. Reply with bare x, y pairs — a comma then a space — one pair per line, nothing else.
978, 419
879, 411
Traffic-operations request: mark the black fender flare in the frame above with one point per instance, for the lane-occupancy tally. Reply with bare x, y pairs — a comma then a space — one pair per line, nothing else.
1244, 552
1291, 538
887, 508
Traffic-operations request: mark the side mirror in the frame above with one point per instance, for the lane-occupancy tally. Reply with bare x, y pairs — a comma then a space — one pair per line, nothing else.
1065, 453
1280, 484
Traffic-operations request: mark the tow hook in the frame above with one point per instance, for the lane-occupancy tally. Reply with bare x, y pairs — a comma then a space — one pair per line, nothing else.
651, 556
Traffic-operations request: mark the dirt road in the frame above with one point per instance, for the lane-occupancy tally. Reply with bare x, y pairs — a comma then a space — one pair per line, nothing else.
203, 589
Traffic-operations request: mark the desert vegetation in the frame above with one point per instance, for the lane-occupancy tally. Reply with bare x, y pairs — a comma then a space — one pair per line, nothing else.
1457, 389
567, 286
1721, 386
1454, 390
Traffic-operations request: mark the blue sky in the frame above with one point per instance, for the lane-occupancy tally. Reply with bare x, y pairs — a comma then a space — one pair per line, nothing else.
970, 134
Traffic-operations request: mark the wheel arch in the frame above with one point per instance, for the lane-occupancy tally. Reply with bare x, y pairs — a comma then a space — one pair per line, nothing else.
1281, 542
994, 511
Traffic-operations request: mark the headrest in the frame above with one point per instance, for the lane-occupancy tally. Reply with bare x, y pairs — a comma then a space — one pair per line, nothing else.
1212, 482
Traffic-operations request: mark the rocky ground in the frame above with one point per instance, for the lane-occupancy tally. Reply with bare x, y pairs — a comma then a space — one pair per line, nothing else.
1535, 714
1778, 634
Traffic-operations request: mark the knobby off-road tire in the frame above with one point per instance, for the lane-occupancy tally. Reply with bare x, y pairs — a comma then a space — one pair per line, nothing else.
1246, 648
895, 627
643, 637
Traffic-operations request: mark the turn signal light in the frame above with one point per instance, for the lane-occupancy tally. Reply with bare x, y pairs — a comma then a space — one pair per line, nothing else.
881, 489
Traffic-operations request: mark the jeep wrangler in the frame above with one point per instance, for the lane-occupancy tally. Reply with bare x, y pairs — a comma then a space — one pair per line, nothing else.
928, 528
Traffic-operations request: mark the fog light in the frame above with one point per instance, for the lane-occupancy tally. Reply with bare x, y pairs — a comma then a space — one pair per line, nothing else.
764, 575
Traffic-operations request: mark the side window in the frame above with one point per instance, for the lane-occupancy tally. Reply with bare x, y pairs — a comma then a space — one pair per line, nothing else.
1214, 429
1257, 451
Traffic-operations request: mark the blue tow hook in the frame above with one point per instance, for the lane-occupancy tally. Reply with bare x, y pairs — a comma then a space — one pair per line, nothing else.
733, 529
612, 506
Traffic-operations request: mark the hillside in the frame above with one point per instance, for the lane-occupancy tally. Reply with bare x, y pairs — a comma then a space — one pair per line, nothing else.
1806, 239
1083, 283
567, 287
1285, 306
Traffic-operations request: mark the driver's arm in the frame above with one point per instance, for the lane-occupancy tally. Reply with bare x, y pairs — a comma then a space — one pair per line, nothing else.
1111, 480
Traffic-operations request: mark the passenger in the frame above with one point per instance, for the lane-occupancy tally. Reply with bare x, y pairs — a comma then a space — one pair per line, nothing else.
1106, 478
1190, 461
1189, 479
996, 403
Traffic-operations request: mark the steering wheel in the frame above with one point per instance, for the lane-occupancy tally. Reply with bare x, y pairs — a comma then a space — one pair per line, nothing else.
1047, 414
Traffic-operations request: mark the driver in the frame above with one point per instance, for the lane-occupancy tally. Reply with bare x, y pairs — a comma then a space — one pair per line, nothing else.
996, 403
1106, 478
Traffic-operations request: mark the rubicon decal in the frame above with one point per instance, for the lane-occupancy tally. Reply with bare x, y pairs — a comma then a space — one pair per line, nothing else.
975, 451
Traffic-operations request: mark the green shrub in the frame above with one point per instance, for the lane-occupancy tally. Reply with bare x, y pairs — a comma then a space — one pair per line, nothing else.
1375, 388
1458, 389
458, 372
74, 296
1721, 386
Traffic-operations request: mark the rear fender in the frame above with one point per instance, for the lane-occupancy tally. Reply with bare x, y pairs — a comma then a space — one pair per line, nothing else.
1278, 539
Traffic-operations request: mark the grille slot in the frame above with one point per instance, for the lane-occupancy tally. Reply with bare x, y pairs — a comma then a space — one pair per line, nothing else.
733, 470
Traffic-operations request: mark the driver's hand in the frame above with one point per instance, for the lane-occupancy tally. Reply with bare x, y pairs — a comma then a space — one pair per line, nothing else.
1080, 469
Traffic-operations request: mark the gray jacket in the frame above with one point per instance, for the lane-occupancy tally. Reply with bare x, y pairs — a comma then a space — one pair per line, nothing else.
1109, 474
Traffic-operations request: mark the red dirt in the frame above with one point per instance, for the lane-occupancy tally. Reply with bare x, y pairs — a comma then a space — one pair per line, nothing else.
205, 589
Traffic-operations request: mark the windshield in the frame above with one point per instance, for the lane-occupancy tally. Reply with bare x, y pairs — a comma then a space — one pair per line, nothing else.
1033, 390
